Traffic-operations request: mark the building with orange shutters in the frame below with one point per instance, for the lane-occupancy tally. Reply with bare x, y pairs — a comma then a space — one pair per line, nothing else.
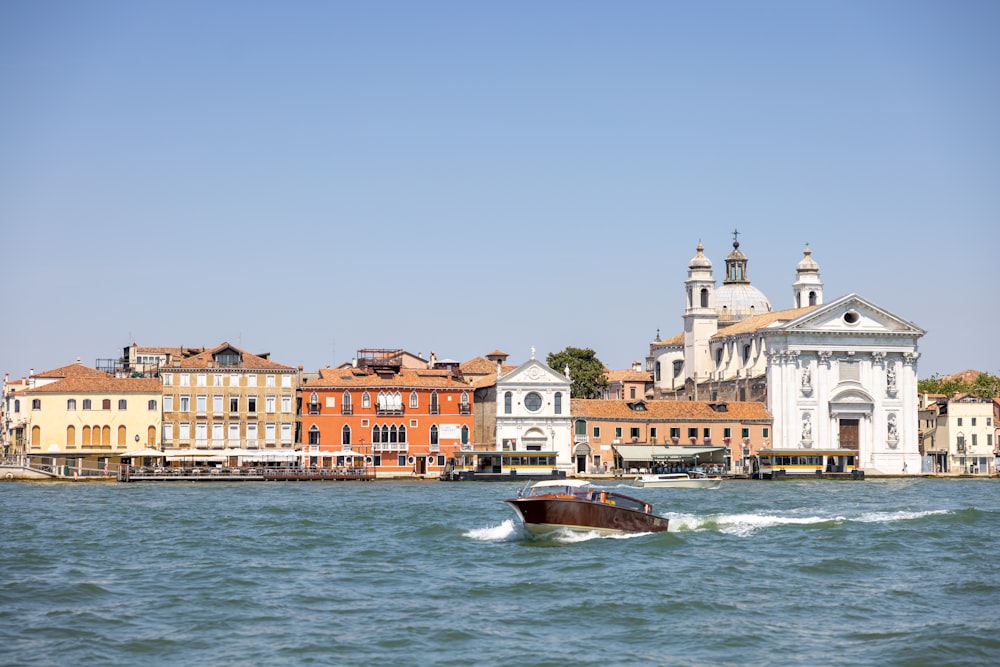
402, 421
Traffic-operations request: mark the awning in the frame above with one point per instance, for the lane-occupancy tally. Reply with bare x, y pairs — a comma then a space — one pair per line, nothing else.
195, 454
705, 453
141, 453
342, 452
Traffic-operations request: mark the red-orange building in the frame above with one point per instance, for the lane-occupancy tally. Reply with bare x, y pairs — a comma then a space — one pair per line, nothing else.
402, 421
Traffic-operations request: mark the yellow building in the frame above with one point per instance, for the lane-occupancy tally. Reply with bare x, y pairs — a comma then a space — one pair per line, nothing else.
79, 419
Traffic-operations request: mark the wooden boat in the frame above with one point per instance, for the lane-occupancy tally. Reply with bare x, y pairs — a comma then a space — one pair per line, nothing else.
574, 505
682, 480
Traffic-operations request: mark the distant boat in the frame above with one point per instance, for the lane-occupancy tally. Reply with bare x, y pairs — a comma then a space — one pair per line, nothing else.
572, 504
695, 479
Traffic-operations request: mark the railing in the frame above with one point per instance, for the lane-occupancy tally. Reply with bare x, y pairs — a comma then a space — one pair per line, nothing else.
434, 409
314, 408
464, 409
388, 412
390, 447
346, 410
434, 448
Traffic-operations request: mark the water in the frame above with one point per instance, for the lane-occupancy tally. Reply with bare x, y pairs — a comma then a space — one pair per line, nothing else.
893, 572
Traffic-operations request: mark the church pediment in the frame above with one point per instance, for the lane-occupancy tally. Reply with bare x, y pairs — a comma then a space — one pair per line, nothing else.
852, 314
532, 372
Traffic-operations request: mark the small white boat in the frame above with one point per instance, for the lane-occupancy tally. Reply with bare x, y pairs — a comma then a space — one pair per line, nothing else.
681, 480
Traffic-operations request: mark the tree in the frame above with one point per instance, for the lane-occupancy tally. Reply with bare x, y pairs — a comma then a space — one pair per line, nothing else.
585, 371
984, 386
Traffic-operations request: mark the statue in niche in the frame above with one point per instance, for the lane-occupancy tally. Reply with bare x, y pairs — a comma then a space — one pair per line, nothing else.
806, 380
893, 432
890, 379
807, 429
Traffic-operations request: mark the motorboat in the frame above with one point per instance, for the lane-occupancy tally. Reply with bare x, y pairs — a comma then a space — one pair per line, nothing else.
694, 479
573, 504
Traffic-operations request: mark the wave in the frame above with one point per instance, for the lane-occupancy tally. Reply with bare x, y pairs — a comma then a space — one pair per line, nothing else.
505, 531
744, 525
509, 530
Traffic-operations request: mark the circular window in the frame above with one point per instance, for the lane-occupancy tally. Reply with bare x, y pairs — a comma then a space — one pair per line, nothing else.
852, 317
533, 402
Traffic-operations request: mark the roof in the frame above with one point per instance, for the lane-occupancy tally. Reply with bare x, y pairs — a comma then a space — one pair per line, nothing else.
103, 384
206, 359
72, 370
575, 483
757, 322
968, 376
344, 378
627, 375
673, 410
675, 340
662, 452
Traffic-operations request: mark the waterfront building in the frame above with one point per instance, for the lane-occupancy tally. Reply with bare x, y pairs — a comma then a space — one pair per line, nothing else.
80, 419
524, 414
13, 417
628, 385
671, 432
226, 405
403, 421
959, 434
838, 378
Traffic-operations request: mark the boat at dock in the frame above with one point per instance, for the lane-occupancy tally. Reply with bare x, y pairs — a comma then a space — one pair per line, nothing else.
694, 479
574, 505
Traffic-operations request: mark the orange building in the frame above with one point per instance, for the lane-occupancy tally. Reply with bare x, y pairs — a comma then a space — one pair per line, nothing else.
402, 421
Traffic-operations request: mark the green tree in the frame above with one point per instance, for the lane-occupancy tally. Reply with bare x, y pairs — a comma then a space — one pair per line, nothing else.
585, 371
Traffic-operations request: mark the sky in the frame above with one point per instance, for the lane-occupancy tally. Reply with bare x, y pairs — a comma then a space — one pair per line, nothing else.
313, 178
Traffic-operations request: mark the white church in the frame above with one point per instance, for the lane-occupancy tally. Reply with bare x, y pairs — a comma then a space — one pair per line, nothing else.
839, 378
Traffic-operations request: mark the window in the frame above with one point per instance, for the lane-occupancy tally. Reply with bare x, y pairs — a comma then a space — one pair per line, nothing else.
270, 403
413, 400
434, 434
745, 433
765, 432
185, 404
973, 421
401, 460
507, 402
656, 371
286, 404
618, 431
313, 435
631, 392
151, 405
596, 431
693, 433
251, 380
217, 404
533, 401
36, 404
168, 433
580, 427
675, 432
106, 404
286, 381
71, 404
286, 434
168, 404
678, 367
252, 404
366, 401
202, 380
959, 421
228, 359
185, 380
168, 379
201, 401
633, 432
706, 433
704, 297
185, 432
465, 439
269, 380
652, 432
435, 408
727, 432
234, 404
345, 436
718, 357
122, 404
345, 404
217, 379
746, 354
252, 433
234, 380
557, 402
269, 433
201, 434
234, 435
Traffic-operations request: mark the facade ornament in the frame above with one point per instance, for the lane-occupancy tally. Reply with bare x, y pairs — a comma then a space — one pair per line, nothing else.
878, 357
807, 430
806, 381
890, 380
893, 438
910, 358
532, 351
825, 356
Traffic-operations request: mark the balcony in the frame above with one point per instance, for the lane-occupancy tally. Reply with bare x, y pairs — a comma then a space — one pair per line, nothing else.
434, 448
383, 411
390, 447
464, 409
314, 408
346, 410
434, 409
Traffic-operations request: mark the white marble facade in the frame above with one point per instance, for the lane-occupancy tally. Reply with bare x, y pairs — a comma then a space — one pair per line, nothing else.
533, 411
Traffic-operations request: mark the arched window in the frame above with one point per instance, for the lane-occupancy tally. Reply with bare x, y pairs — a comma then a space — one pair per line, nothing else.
376, 434
151, 435
465, 434
746, 353
152, 404
385, 433
812, 298
366, 401
435, 408
106, 434
36, 435
86, 404
580, 427
557, 403
36, 404
393, 434
718, 356
121, 435
508, 400
122, 404
86, 437
106, 404
314, 435
71, 436
414, 401
704, 297
71, 404
402, 433
656, 371
345, 438
434, 434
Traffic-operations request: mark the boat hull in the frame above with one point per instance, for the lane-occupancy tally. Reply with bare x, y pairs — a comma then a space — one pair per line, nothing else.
652, 481
543, 515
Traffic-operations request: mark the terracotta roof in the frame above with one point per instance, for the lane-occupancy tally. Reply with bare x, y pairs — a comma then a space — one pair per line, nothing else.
478, 366
675, 340
757, 322
497, 353
968, 376
205, 360
627, 375
72, 370
345, 378
676, 410
105, 384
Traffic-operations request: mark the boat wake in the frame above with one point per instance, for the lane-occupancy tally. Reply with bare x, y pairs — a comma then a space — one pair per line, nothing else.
744, 525
510, 530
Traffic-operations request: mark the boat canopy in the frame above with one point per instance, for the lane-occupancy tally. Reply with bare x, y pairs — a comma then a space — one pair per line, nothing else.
642, 453
575, 483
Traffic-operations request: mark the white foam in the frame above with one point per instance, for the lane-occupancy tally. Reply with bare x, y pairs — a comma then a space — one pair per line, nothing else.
505, 531
900, 515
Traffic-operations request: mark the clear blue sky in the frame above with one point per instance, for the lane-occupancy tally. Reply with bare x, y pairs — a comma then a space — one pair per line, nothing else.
311, 178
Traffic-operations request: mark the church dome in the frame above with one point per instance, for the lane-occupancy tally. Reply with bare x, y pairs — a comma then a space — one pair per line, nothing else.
738, 301
807, 264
